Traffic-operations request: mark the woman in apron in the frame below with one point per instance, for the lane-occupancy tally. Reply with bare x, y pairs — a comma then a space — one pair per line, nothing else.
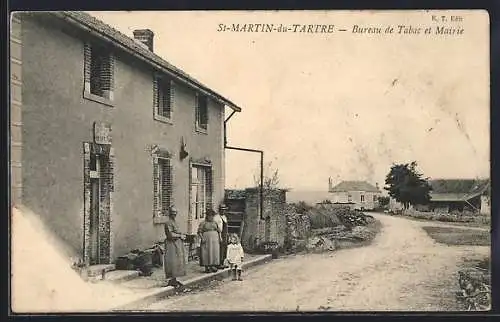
209, 233
174, 260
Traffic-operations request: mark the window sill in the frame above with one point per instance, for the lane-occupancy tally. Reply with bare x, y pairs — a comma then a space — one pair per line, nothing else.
160, 219
98, 99
163, 119
201, 130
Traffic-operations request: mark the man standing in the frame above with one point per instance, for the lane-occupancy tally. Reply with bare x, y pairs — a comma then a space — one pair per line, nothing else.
221, 221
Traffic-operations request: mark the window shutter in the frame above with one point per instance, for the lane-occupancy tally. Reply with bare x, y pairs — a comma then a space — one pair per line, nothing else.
205, 117
156, 183
192, 203
170, 105
197, 110
111, 74
87, 55
155, 95
166, 185
165, 99
106, 72
209, 187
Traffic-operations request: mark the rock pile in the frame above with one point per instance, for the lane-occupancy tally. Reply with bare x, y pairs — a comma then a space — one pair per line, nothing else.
298, 228
475, 290
320, 244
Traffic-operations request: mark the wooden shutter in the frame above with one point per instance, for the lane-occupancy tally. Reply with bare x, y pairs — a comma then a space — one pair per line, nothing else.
209, 187
166, 184
202, 196
192, 200
106, 71
197, 110
203, 112
156, 186
156, 104
87, 56
171, 93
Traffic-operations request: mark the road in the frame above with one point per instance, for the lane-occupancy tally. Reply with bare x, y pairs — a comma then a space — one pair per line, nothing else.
403, 269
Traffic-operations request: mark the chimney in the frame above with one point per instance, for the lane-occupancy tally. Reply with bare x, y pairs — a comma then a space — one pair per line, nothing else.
330, 183
145, 36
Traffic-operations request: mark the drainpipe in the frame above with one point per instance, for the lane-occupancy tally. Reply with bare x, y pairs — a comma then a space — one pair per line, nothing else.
261, 191
261, 174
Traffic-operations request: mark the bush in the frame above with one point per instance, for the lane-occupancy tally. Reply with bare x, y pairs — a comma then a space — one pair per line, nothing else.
300, 207
454, 216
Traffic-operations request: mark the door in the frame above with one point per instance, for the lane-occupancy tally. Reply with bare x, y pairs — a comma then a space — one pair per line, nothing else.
94, 221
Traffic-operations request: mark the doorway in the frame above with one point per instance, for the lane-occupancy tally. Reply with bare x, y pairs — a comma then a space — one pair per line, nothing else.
98, 185
95, 192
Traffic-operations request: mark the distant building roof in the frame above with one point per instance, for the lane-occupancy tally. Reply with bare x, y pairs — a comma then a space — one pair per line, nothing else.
235, 194
92, 24
345, 186
458, 189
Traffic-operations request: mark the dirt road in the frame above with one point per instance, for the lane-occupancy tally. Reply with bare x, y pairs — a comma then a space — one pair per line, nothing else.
403, 269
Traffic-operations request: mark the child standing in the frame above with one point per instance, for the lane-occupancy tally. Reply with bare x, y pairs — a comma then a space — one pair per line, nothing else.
235, 256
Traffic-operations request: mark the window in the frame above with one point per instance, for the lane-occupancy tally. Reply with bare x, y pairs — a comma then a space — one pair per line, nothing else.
375, 199
201, 112
201, 190
349, 198
99, 66
362, 198
162, 185
163, 98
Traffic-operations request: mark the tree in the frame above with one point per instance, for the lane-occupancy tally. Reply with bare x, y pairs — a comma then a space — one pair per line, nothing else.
383, 201
405, 184
271, 178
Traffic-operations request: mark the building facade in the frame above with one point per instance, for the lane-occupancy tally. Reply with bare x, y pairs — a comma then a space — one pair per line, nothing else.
361, 194
112, 136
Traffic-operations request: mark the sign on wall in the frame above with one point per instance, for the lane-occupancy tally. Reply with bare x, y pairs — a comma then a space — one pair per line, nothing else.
102, 133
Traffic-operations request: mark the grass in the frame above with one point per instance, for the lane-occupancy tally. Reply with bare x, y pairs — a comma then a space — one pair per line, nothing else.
479, 224
459, 236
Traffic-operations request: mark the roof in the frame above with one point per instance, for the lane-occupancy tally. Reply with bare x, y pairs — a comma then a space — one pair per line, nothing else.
235, 194
345, 186
90, 23
458, 189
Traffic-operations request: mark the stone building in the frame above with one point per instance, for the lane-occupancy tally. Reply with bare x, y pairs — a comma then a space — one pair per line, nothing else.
111, 134
244, 216
361, 194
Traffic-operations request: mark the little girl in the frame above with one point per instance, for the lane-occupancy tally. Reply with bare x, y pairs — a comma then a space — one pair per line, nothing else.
235, 256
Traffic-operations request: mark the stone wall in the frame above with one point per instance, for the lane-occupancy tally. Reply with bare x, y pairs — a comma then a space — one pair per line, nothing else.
272, 226
298, 228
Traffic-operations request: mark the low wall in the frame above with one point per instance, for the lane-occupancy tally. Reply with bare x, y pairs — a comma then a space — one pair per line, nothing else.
271, 227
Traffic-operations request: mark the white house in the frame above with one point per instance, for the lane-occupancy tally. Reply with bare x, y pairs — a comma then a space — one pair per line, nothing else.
362, 194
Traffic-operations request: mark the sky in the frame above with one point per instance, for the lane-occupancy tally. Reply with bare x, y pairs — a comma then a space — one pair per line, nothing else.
342, 105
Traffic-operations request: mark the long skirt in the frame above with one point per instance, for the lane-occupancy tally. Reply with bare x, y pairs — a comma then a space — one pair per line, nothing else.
174, 260
223, 250
209, 249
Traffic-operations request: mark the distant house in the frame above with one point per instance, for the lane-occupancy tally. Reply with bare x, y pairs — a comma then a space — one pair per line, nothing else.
449, 195
363, 194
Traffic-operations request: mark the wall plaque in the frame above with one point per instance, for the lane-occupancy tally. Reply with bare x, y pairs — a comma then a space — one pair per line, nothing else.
102, 133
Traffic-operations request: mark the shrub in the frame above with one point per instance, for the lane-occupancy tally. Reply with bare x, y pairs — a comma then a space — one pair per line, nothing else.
300, 207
